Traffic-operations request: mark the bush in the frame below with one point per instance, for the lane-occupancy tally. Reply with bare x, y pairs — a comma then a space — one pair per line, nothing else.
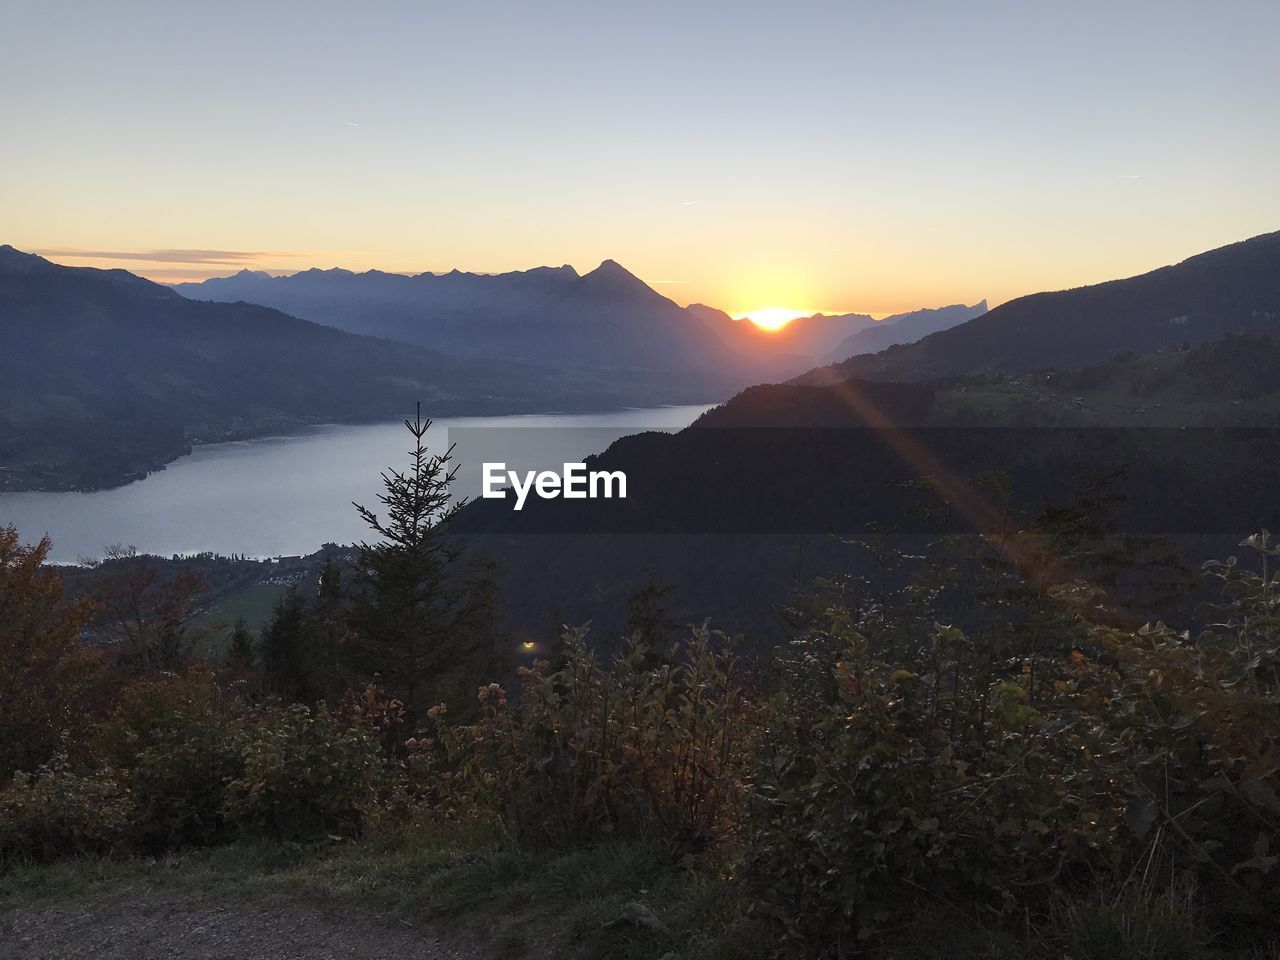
641, 744
888, 789
178, 742
56, 813
1199, 719
306, 775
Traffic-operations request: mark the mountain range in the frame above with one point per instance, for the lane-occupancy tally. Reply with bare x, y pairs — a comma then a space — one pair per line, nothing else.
605, 319
105, 375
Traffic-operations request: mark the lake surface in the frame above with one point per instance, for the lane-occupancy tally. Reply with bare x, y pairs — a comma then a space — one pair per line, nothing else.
285, 496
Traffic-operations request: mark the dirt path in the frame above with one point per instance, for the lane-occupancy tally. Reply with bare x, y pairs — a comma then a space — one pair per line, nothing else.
173, 926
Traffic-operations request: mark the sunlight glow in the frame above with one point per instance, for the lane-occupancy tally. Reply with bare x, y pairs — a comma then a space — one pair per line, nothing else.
772, 318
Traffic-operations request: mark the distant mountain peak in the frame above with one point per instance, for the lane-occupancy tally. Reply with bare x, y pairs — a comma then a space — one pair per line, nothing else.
613, 276
15, 260
612, 270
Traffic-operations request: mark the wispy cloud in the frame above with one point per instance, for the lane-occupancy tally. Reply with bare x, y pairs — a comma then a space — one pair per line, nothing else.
230, 258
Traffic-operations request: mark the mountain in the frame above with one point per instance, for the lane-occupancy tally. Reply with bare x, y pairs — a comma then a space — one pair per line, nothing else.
105, 375
904, 328
1231, 289
787, 483
605, 319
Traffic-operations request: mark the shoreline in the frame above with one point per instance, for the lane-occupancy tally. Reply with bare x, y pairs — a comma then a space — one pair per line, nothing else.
284, 428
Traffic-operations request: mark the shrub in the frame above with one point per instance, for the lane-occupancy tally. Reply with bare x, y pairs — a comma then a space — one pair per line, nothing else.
56, 813
889, 789
627, 746
1199, 719
177, 740
306, 775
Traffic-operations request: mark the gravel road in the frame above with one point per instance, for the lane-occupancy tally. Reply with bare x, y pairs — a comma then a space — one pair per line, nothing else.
170, 926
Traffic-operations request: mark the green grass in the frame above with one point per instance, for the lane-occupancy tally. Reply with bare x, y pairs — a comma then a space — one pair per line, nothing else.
254, 603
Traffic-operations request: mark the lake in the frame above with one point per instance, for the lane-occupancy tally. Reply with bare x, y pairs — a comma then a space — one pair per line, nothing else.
286, 496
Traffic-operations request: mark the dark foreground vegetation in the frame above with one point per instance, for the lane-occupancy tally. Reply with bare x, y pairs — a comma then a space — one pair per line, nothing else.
1000, 759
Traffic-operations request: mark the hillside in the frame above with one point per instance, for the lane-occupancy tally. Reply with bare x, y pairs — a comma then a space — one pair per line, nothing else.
772, 487
105, 376
1231, 289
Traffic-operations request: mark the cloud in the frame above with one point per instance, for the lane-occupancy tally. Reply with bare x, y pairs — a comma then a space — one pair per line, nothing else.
229, 258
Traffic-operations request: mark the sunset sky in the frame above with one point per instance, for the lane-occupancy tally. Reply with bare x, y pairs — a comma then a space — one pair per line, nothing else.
814, 156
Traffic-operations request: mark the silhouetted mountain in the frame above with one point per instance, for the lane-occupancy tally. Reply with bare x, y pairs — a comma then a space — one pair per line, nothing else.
774, 487
801, 343
1232, 289
104, 375
605, 319
904, 328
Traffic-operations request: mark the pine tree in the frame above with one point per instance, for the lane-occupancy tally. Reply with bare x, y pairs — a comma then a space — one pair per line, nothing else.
329, 590
414, 615
241, 654
329, 632
286, 658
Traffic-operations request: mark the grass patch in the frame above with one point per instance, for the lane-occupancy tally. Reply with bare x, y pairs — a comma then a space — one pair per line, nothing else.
254, 603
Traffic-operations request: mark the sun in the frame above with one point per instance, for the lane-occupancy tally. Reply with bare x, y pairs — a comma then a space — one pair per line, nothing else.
772, 318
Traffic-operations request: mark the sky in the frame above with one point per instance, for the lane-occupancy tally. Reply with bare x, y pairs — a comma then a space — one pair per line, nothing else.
871, 157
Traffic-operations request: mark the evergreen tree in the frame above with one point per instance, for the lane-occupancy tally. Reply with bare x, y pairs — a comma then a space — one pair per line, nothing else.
329, 592
241, 654
284, 647
329, 633
418, 622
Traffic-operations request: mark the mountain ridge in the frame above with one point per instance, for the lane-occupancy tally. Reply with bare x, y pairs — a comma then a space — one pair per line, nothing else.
607, 318
105, 376
1230, 289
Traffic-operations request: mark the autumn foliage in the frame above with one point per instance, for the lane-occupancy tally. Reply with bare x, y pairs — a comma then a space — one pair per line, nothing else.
49, 683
